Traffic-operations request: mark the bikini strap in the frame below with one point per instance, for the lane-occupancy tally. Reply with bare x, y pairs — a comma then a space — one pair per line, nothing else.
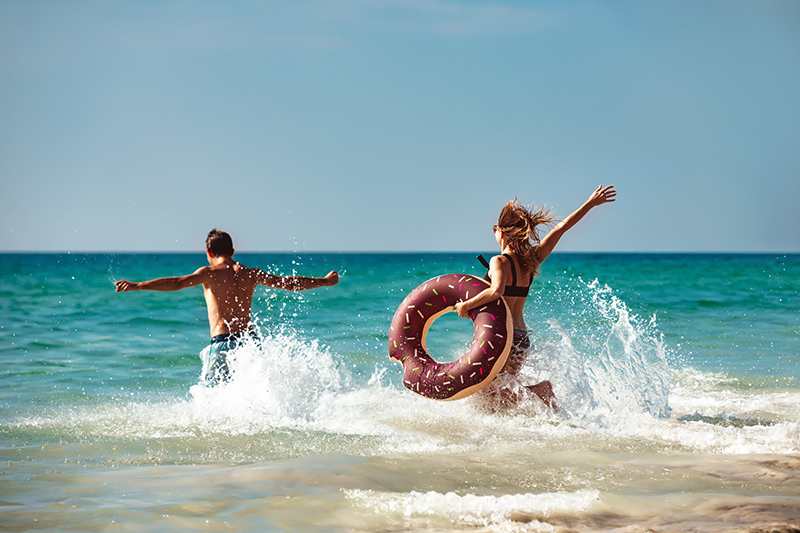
485, 263
513, 270
510, 290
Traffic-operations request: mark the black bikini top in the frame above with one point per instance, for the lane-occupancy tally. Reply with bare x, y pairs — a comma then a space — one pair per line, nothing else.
510, 290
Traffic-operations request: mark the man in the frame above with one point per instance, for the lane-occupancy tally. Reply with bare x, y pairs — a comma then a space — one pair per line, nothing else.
228, 287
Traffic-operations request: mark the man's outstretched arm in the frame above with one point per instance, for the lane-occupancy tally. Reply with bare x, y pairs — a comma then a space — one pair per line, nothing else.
165, 284
297, 283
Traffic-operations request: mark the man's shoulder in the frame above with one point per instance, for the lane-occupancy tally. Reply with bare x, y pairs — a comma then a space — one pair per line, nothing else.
204, 272
241, 269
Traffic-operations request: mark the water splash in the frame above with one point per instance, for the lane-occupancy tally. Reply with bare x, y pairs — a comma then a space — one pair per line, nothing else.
278, 377
611, 362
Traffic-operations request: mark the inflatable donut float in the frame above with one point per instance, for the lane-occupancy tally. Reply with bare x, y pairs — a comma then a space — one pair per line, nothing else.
472, 371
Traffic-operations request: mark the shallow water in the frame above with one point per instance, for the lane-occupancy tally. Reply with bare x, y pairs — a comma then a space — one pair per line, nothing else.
677, 379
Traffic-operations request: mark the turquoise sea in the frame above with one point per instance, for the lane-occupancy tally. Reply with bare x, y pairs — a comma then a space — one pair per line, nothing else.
678, 378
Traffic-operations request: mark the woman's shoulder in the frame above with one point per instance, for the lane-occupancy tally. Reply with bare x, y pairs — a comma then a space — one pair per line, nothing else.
503, 259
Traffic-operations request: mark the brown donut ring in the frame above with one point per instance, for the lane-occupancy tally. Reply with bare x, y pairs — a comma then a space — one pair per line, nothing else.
473, 370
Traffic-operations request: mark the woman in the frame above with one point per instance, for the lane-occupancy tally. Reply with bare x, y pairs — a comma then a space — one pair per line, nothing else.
511, 274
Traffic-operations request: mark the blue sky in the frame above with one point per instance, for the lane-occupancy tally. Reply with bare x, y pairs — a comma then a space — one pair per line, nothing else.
364, 125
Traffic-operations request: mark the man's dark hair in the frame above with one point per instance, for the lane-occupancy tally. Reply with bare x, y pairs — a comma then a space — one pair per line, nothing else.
219, 243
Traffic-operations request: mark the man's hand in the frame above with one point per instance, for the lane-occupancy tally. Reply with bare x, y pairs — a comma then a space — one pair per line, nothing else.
126, 286
332, 278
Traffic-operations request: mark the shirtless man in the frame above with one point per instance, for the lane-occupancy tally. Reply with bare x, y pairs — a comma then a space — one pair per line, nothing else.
228, 288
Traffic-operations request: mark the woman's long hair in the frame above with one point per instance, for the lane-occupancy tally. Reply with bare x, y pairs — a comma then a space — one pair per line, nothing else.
520, 226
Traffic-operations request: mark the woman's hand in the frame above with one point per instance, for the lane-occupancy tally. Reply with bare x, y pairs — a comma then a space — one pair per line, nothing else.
462, 310
602, 195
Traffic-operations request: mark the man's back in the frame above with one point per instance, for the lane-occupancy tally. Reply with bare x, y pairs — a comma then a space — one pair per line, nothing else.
228, 290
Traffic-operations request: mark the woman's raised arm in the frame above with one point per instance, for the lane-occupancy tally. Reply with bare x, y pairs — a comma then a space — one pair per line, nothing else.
601, 196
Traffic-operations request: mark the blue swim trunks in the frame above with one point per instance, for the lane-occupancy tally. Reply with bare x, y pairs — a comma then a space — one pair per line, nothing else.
218, 369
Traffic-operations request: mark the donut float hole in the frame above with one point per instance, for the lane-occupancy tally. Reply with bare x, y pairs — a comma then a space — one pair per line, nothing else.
449, 336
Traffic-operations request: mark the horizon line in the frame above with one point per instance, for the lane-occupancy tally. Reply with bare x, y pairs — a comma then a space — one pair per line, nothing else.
386, 252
